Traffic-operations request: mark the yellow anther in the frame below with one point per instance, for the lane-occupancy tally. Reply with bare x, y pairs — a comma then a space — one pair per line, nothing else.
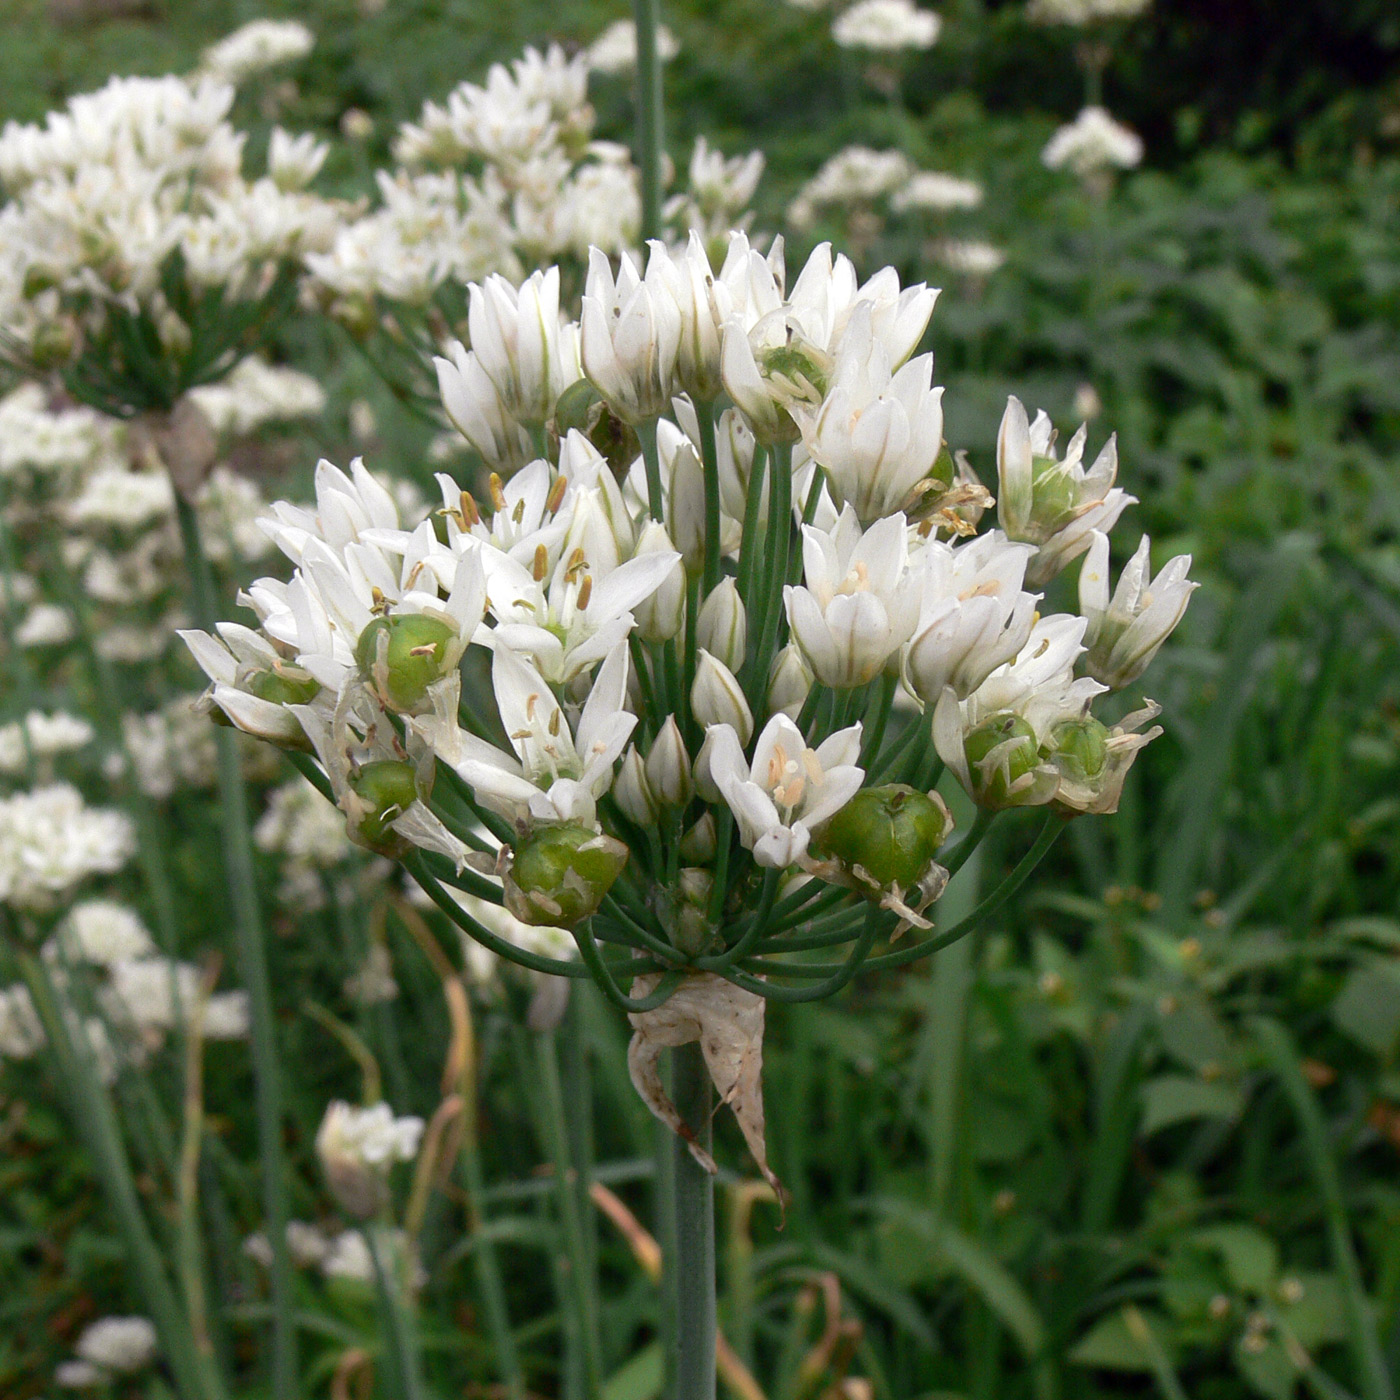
541, 563
498, 497
555, 499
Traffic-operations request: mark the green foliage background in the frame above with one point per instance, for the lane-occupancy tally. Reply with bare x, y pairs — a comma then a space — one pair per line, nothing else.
1143, 1132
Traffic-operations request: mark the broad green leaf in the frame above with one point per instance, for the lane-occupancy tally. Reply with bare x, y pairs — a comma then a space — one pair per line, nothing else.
641, 1378
1174, 1098
1251, 1257
1111, 1345
1367, 1009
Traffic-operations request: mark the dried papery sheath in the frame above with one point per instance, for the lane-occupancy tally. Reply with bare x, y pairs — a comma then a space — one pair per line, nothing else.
728, 1023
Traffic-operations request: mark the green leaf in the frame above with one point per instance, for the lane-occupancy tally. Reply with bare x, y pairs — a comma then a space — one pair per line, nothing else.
641, 1378
1110, 1344
1251, 1257
1367, 1009
1174, 1098
1265, 1365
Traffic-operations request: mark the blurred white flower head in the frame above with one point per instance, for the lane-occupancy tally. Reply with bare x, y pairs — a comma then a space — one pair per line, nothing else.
615, 49
1092, 144
886, 25
51, 841
256, 47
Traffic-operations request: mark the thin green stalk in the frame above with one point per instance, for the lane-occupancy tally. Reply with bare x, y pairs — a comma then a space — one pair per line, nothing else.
96, 1123
750, 545
770, 594
578, 1088
695, 1231
1049, 833
875, 734
487, 1266
252, 958
651, 135
1367, 1355
709, 461
582, 1299
392, 1286
834, 979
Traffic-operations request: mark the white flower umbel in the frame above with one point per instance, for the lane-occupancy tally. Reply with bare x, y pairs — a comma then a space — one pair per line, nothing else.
859, 604
51, 841
1126, 631
929, 189
101, 932
1093, 143
118, 1345
886, 25
256, 47
615, 49
1082, 12
1054, 504
41, 736
787, 789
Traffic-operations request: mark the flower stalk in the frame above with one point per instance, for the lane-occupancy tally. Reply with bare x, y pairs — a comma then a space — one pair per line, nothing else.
694, 1268
252, 961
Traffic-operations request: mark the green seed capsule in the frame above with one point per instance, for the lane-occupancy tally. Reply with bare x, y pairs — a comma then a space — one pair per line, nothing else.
1080, 748
581, 408
280, 688
388, 786
413, 660
560, 874
993, 789
893, 833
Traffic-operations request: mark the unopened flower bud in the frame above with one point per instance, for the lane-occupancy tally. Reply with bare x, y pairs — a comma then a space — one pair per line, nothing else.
722, 628
705, 786
891, 833
1000, 752
698, 844
384, 789
632, 792
718, 698
403, 654
659, 616
690, 925
668, 767
686, 504
559, 874
789, 681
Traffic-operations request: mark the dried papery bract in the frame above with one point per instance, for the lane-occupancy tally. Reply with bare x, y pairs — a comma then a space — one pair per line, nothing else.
727, 1021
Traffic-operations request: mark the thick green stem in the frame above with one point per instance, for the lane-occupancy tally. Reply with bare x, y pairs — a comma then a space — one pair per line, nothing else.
581, 1297
195, 1377
694, 1232
252, 959
651, 128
